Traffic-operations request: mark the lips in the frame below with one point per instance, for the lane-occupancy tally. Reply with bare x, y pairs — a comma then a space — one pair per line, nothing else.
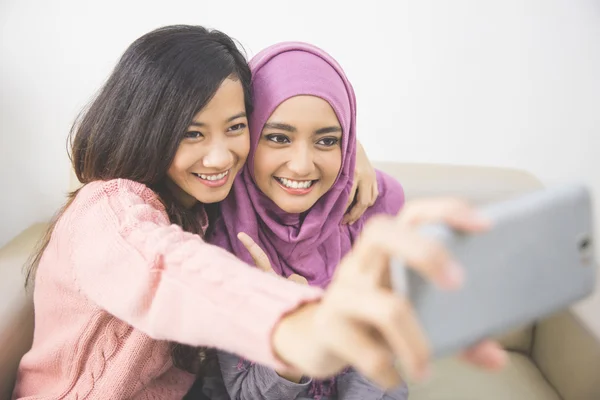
213, 180
296, 187
213, 177
292, 184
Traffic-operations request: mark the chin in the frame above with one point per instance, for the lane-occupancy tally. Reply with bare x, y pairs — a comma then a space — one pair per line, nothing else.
215, 197
294, 208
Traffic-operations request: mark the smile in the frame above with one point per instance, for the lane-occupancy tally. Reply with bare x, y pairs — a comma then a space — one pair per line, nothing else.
296, 187
213, 180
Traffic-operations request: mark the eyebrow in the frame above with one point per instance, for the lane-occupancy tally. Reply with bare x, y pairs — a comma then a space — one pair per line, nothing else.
292, 129
232, 118
280, 126
329, 129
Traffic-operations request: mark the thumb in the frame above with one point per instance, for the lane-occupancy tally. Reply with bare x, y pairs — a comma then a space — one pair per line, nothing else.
298, 279
258, 255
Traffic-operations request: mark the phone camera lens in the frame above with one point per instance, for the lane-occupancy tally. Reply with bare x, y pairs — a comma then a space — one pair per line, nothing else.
584, 243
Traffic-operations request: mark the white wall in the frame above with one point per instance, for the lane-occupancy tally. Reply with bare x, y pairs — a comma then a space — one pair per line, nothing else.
506, 83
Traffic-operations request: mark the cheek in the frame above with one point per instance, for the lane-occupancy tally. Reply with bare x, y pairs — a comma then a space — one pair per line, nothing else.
177, 166
332, 163
242, 147
185, 158
265, 164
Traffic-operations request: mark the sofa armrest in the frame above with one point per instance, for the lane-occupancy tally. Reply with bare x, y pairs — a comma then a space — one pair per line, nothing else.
478, 184
568, 355
16, 305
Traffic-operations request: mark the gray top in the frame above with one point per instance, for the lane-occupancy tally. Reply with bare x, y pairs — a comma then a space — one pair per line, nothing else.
242, 380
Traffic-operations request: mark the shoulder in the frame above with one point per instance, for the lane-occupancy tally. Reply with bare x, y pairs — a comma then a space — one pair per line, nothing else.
119, 189
389, 201
391, 194
118, 197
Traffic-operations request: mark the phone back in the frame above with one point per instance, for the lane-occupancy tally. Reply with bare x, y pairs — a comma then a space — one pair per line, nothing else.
538, 258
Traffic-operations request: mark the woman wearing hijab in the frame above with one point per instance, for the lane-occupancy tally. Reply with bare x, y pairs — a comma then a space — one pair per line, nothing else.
291, 198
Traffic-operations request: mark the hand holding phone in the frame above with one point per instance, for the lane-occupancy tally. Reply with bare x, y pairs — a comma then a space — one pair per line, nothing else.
537, 258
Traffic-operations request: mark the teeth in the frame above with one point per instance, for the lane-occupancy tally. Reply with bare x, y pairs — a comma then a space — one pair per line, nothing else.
295, 184
213, 177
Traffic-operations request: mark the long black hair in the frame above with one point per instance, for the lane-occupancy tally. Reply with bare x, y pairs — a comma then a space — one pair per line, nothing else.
133, 127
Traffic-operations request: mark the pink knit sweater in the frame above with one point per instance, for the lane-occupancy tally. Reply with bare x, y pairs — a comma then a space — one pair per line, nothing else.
117, 281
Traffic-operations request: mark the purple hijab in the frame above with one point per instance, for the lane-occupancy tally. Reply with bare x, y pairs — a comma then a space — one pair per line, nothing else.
310, 244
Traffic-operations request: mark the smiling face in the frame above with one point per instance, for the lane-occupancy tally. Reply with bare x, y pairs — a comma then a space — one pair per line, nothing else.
213, 150
299, 155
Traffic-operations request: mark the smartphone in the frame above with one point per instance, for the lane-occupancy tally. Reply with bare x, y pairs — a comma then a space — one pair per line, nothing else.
537, 258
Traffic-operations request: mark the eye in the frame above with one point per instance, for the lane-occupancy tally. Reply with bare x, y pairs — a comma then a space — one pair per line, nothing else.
277, 138
329, 141
237, 127
193, 135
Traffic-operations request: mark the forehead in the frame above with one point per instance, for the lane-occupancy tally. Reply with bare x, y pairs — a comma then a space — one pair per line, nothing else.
304, 109
227, 101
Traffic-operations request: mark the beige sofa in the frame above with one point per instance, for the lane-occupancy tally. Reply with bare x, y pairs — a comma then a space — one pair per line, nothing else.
557, 358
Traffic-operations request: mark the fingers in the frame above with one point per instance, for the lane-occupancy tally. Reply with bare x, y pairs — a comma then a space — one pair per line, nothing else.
258, 255
394, 320
399, 238
384, 235
454, 212
350, 200
366, 354
487, 354
364, 187
374, 191
366, 195
356, 212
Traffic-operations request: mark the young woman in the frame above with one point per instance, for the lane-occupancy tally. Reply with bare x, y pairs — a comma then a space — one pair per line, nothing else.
124, 281
291, 197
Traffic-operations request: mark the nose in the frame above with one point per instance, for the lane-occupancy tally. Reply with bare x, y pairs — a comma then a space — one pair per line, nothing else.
301, 163
219, 156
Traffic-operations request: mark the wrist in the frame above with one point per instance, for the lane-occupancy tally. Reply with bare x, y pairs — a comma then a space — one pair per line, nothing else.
290, 333
294, 377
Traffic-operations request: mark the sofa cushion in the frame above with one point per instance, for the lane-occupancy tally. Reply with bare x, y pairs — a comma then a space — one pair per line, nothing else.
568, 354
519, 340
477, 184
453, 379
16, 308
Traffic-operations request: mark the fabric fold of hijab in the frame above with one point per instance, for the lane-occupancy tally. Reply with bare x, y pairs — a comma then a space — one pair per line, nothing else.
310, 244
